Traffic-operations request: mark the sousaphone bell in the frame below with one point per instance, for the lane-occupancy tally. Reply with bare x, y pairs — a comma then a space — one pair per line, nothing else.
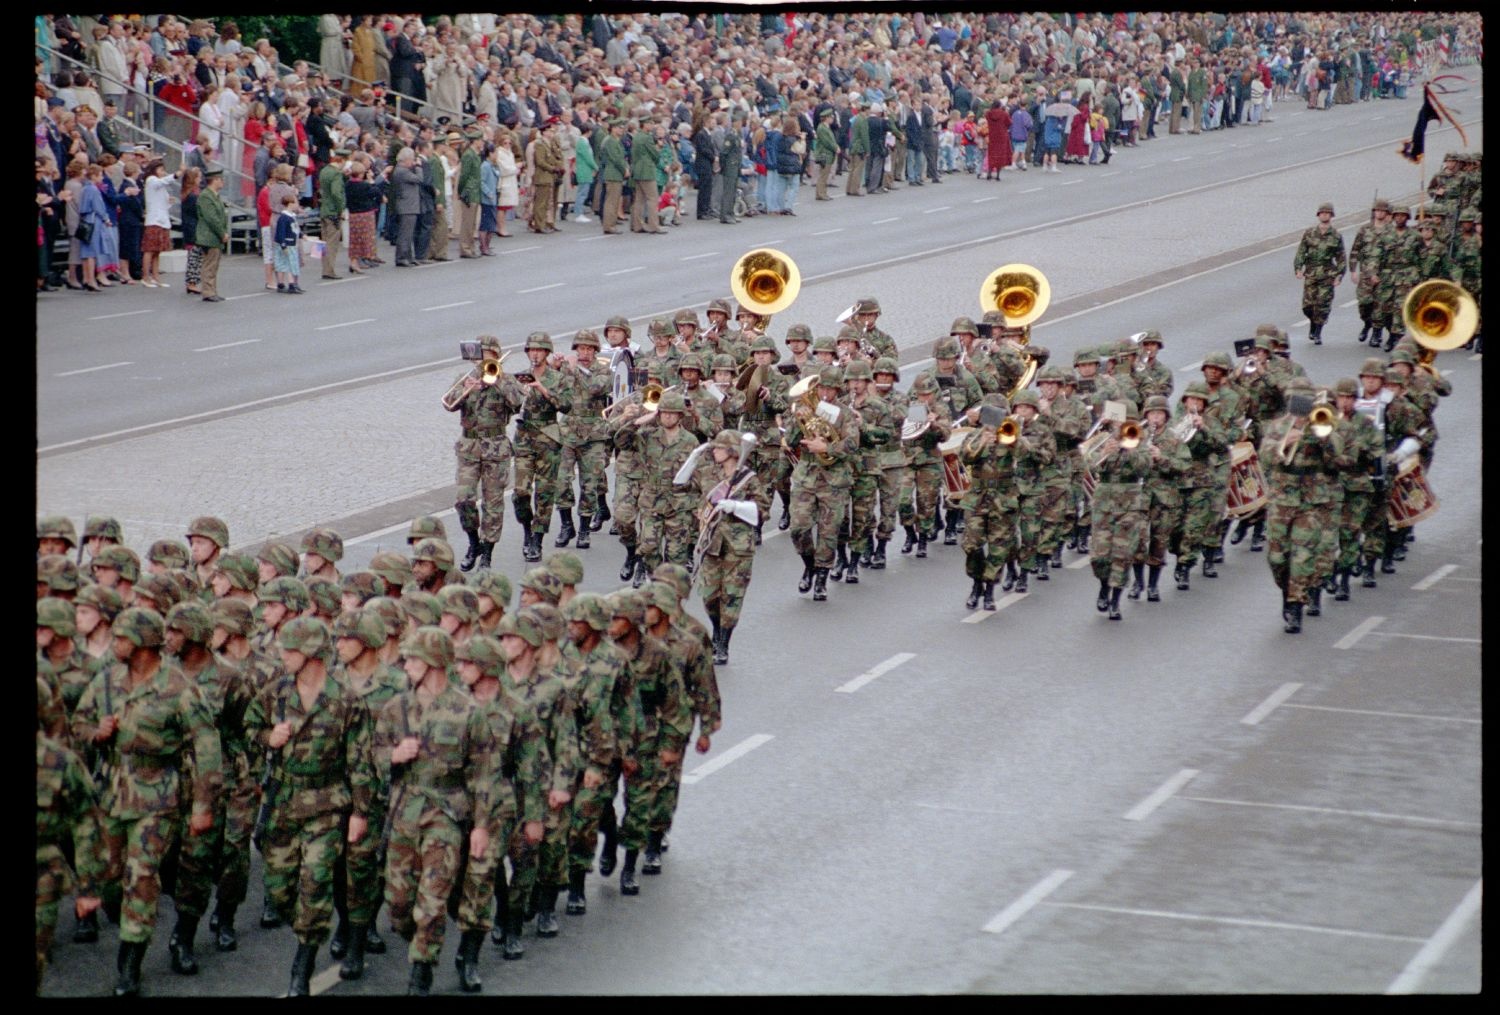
1439, 316
765, 281
1020, 293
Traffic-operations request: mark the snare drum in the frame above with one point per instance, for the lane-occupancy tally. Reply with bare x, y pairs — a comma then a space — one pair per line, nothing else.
1247, 484
1411, 498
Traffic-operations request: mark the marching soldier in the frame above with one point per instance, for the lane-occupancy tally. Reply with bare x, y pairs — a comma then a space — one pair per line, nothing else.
1407, 433
1068, 419
1036, 484
1320, 263
975, 355
1431, 251
866, 313
732, 506
484, 454
1468, 266
1170, 461
275, 559
100, 531
166, 555
704, 418
1423, 390
821, 480
630, 470
959, 392
732, 407
1202, 483
1151, 376
60, 662
207, 538
1361, 254
281, 601
891, 459
321, 549
990, 505
798, 338
1364, 500
825, 351
1395, 267
539, 444
68, 821
1120, 503
666, 510
924, 474
878, 428
663, 352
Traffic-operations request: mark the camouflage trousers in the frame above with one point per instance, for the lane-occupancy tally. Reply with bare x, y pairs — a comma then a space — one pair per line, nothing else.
724, 580
481, 490
538, 460
821, 506
1078, 507
1163, 531
1198, 523
1317, 296
1361, 527
587, 813
54, 882
627, 508
523, 871
927, 482
668, 532
888, 485
1325, 561
773, 469
552, 854
1040, 520
587, 461
647, 803
1294, 546
136, 848
1389, 295
665, 807
990, 541
1118, 540
198, 858
1365, 295
477, 892
358, 874
300, 859
862, 506
421, 866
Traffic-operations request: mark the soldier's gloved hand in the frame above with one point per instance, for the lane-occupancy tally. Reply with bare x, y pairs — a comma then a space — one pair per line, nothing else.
83, 905
200, 823
532, 832
357, 827
479, 842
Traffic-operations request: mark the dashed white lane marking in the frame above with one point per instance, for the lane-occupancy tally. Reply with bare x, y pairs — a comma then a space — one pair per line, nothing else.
128, 313
1183, 158
1013, 912
1115, 172
446, 306
1434, 578
1010, 599
981, 200
876, 671
591, 239
1235, 921
1080, 563
941, 207
881, 222
828, 232
739, 750
538, 288
1195, 365
1353, 637
346, 324
244, 296
89, 370
1428, 637
518, 250
1349, 304
1031, 190
1409, 818
1163, 793
1388, 715
1069, 183
626, 271
228, 345
321, 982
1268, 706
699, 257
1437, 946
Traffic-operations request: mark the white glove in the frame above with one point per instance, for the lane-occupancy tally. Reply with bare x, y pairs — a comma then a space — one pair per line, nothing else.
746, 511
1408, 447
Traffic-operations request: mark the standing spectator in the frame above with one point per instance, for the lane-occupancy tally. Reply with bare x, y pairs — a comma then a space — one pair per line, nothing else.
93, 219
264, 218
469, 190
213, 233
180, 95
1021, 130
643, 156
585, 171
363, 45
132, 219
191, 179
999, 132
1078, 133
331, 207
409, 183
1130, 114
508, 193
407, 62
288, 236
158, 238
333, 29
791, 154
489, 199
825, 151
72, 198
363, 192
254, 134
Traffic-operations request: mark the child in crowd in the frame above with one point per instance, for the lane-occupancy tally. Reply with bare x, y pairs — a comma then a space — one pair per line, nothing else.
288, 233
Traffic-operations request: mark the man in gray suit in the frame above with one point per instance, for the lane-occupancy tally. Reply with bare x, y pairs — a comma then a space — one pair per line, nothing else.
408, 182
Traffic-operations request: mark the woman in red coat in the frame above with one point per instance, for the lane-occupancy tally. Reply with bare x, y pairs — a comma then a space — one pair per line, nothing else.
1078, 133
997, 155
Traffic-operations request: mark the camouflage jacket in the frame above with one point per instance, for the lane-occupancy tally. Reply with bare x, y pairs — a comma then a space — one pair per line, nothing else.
668, 358
694, 652
228, 692
981, 364
457, 767
704, 417
878, 428
1362, 250
1031, 460
325, 765
959, 396
592, 388
67, 679
1468, 259
538, 418
384, 684
992, 473
1069, 419
518, 792
838, 473
1153, 380
762, 422
1362, 452
1320, 255
1207, 447
1164, 484
731, 536
159, 720
590, 681
485, 412
1424, 390
923, 450
67, 811
662, 454
1311, 477
543, 702
1396, 258
1121, 481
666, 710
1403, 418
892, 454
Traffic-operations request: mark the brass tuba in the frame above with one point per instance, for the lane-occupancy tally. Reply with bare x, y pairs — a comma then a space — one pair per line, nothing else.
1021, 294
750, 379
765, 281
1439, 315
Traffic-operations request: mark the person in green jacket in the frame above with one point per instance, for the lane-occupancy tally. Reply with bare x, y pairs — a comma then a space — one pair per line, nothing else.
614, 168
585, 168
644, 152
1177, 93
470, 190
213, 233
1197, 94
331, 207
825, 152
859, 148
437, 175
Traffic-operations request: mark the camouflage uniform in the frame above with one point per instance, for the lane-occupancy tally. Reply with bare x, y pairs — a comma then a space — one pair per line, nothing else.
1164, 499
1395, 266
1202, 483
668, 525
729, 554
767, 457
1320, 259
1364, 496
878, 427
630, 474
1040, 486
819, 490
1301, 491
991, 537
924, 474
703, 417
539, 447
977, 357
891, 457
1069, 419
68, 820
1361, 260
585, 440
1119, 520
68, 677
1431, 254
484, 453
884, 344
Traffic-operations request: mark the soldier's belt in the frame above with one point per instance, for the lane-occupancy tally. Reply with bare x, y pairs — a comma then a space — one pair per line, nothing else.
475, 435
443, 781
149, 766
537, 418
320, 779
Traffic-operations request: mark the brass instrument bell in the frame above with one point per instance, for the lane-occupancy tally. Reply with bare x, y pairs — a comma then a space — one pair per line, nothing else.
1019, 291
1439, 315
765, 281
1130, 435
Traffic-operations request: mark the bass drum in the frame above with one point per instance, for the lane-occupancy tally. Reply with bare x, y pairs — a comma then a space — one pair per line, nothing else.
1411, 498
1247, 484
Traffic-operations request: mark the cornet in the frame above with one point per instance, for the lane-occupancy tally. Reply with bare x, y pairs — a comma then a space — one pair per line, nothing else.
1009, 430
1320, 421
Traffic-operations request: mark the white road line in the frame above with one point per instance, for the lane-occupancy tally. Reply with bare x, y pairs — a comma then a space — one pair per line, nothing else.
1031, 190
538, 288
1069, 183
1183, 158
1236, 921
399, 526
346, 324
89, 370
881, 222
878, 670
1302, 133
446, 306
321, 982
1163, 793
1380, 117
699, 257
1352, 638
1080, 563
1437, 946
228, 345
1271, 140
591, 239
1013, 912
1477, 355
128, 313
1103, 176
1428, 637
626, 271
941, 207
1392, 715
519, 250
1411, 818
739, 750
981, 200
1434, 578
341, 281
244, 296
827, 232
1195, 365
1268, 706
1007, 600
1349, 304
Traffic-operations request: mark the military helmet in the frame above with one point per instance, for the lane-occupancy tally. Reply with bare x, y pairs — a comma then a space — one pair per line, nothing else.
618, 322
143, 627
492, 584
430, 644
544, 583
1373, 366
1403, 356
489, 343
1197, 389
690, 361
1326, 206
56, 527
661, 595
654, 370
848, 333
858, 369
1152, 335
1299, 384
241, 571
425, 527
326, 543
186, 581
993, 317
945, 348
1401, 209
234, 615
106, 601
56, 614
1381, 204
281, 556
721, 306
287, 590
672, 401
627, 603
1156, 402
211, 528
825, 343
538, 340
365, 584
436, 550
122, 559
659, 328
363, 625
160, 589
685, 317
567, 566
963, 326
1218, 359
521, 625
1346, 386
461, 601
326, 595
169, 553
1394, 376
423, 607
924, 384
867, 305
193, 620
798, 333
586, 337
886, 365
390, 613
831, 377
1468, 215
723, 361
588, 608
102, 527
674, 575
744, 311
1125, 349
1025, 397
59, 572
548, 619
482, 650
763, 342
1265, 342
1083, 356
729, 440
1052, 374
393, 568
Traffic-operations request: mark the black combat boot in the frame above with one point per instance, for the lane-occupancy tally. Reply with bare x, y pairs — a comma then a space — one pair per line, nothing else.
806, 581
1183, 574
989, 596
1072, 543
180, 945
1258, 537
1342, 595
420, 984
128, 965
302, 967
1375, 337
1153, 596
1398, 552
1042, 561
468, 961
851, 573
353, 966
820, 587
956, 519
721, 647
608, 849
950, 530
1291, 613
785, 521
628, 884
536, 546
1056, 560
911, 538
1315, 601
1021, 585
629, 567
867, 551
1139, 585
486, 551
1386, 567
641, 575
339, 943
1009, 581
472, 554
1083, 538
225, 939
546, 912
652, 862
975, 590
583, 532
1367, 574
1114, 603
1391, 338
1208, 567
87, 930
725, 633
269, 918
565, 531
577, 904
374, 943
922, 538
512, 949
602, 515
1102, 603
1364, 333
842, 563
877, 560
1315, 333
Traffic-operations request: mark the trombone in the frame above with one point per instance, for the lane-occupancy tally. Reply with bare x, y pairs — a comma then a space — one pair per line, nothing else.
1130, 435
1320, 421
488, 372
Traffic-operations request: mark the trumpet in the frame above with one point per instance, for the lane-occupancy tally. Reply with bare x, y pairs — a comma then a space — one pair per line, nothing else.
1320, 421
1009, 431
1185, 427
650, 396
1130, 435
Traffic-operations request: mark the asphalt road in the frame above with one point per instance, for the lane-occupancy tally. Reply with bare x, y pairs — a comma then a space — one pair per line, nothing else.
906, 797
